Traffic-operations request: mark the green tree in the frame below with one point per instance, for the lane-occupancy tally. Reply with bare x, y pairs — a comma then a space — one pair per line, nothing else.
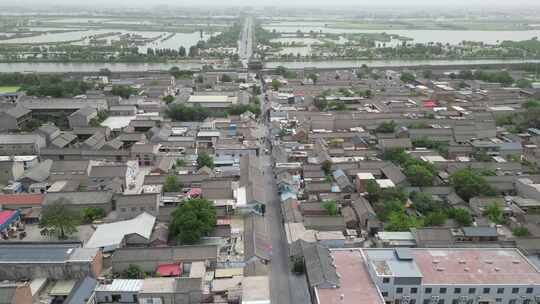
180, 112
105, 72
320, 102
520, 231
182, 52
134, 272
386, 127
256, 90
171, 184
298, 265
482, 156
226, 78
180, 162
91, 214
469, 184
396, 155
340, 106
242, 108
407, 77
330, 207
57, 219
123, 91
419, 175
181, 74
462, 216
531, 104
193, 219
168, 99
399, 221
326, 166
314, 77
524, 83
388, 207
494, 213
205, 160
275, 84
437, 218
428, 74
424, 203
394, 194
373, 190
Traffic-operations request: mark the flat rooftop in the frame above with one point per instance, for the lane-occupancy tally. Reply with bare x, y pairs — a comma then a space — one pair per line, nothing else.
14, 253
356, 286
209, 98
475, 266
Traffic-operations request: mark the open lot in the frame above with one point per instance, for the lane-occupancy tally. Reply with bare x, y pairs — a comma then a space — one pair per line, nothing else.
4, 90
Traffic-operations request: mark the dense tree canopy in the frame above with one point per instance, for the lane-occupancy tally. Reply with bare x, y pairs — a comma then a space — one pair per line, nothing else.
172, 184
469, 184
123, 91
205, 160
193, 219
57, 219
386, 127
407, 77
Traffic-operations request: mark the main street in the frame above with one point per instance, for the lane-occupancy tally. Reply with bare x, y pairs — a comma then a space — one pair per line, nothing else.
285, 287
245, 42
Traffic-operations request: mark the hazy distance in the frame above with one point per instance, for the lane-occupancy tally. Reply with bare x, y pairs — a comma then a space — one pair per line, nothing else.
319, 3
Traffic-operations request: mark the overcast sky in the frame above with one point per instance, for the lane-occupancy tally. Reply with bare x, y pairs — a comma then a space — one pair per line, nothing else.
448, 3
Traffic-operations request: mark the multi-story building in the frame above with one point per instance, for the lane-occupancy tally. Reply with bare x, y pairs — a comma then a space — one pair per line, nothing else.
432, 276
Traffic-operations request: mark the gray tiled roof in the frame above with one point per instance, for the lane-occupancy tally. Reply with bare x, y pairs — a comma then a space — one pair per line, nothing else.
320, 268
80, 198
17, 111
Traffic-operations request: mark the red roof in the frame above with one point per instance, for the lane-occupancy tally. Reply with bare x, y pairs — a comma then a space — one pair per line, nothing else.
169, 270
223, 221
194, 192
21, 199
430, 103
6, 215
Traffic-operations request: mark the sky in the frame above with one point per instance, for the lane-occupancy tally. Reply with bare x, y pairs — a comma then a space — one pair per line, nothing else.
371, 3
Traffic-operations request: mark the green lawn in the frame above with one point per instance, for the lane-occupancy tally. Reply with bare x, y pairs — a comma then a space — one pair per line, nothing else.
4, 90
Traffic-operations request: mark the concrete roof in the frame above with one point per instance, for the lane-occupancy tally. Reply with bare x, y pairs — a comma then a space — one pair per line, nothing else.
18, 138
208, 98
158, 285
80, 198
69, 165
484, 266
40, 253
86, 111
166, 254
256, 290
63, 139
356, 286
17, 111
38, 173
110, 236
119, 285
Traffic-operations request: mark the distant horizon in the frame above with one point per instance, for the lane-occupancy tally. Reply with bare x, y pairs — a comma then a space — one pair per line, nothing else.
336, 4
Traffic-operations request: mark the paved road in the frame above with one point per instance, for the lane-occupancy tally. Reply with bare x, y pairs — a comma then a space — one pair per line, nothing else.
285, 287
245, 42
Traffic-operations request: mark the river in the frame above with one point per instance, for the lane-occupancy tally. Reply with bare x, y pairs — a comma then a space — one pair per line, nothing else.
418, 36
388, 63
142, 67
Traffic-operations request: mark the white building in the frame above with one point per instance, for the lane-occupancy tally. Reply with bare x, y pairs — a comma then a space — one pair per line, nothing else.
214, 102
432, 276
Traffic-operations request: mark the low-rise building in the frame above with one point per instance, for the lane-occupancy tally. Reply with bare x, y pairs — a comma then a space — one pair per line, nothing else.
442, 275
58, 261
